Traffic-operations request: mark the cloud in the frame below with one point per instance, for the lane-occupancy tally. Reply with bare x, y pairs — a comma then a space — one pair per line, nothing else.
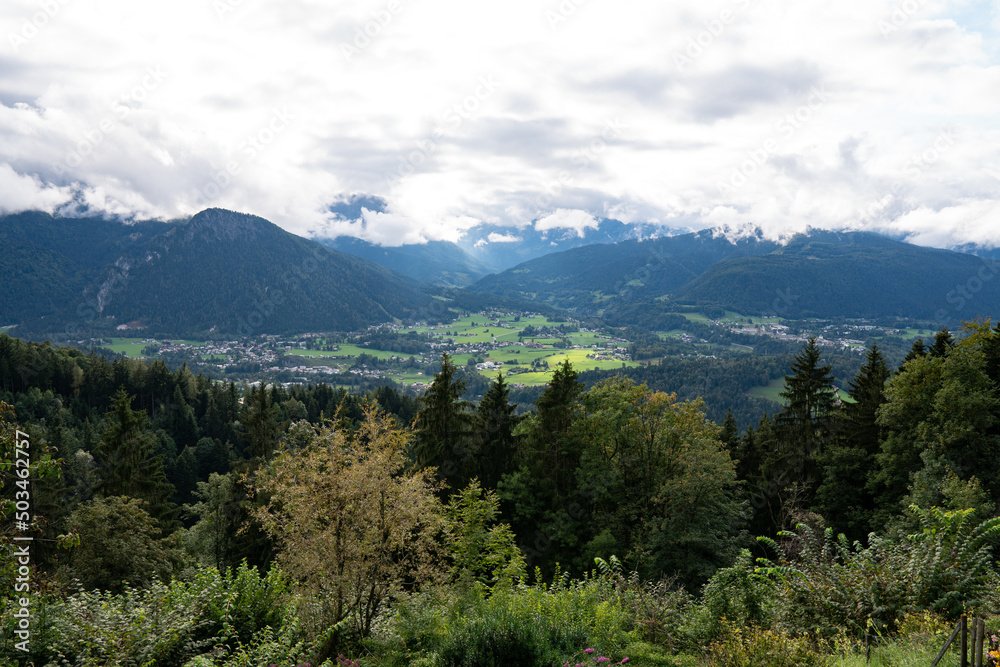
578, 221
448, 114
503, 238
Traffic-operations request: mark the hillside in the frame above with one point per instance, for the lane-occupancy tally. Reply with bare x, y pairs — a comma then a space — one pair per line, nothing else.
219, 271
856, 274
817, 274
596, 276
435, 262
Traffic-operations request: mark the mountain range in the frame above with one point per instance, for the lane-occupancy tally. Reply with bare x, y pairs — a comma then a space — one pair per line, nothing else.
231, 273
219, 271
814, 274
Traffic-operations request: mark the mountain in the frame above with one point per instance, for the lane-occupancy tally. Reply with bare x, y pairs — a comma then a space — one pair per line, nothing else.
435, 262
852, 274
592, 278
219, 271
505, 247
815, 274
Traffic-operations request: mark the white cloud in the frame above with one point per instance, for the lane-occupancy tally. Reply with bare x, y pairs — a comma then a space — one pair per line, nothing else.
457, 112
503, 238
577, 220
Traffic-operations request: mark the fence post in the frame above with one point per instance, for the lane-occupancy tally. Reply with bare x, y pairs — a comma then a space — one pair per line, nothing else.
965, 642
951, 638
980, 639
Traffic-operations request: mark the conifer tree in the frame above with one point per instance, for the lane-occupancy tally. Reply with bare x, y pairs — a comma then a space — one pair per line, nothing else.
129, 464
943, 342
843, 498
444, 428
803, 427
260, 424
916, 351
498, 443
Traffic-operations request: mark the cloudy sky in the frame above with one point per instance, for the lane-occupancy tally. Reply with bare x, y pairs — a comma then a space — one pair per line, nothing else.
864, 114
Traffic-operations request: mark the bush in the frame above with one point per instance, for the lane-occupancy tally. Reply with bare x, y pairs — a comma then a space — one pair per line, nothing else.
758, 647
164, 624
524, 625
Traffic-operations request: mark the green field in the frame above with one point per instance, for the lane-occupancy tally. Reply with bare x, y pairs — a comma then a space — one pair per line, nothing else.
130, 347
770, 391
773, 391
348, 351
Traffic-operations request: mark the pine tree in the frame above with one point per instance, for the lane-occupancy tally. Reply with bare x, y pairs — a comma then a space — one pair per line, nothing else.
444, 428
803, 427
943, 342
498, 443
916, 351
843, 498
129, 463
260, 424
730, 434
548, 433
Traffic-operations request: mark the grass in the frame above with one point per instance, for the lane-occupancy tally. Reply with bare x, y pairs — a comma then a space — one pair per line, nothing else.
770, 391
347, 351
130, 347
898, 653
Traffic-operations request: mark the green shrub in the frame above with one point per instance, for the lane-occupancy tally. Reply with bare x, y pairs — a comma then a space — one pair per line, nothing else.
759, 647
524, 625
833, 587
163, 624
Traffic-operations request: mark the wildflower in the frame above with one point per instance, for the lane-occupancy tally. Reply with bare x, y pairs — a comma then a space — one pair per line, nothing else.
588, 650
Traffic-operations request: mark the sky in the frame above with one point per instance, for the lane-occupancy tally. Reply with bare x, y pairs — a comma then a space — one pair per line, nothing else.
855, 114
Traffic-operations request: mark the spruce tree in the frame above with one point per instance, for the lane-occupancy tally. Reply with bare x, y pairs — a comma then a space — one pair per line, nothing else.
843, 498
129, 464
259, 422
803, 427
943, 342
444, 428
916, 351
497, 421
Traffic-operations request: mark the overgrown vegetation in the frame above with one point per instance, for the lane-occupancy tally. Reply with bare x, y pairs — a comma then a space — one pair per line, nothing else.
612, 522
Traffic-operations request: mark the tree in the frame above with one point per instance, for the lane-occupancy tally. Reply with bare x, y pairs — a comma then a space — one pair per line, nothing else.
941, 417
444, 428
661, 481
353, 525
482, 549
129, 464
843, 498
119, 545
538, 495
496, 432
260, 426
803, 427
943, 342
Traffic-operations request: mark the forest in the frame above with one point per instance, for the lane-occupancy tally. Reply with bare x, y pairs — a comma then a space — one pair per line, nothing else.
178, 520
